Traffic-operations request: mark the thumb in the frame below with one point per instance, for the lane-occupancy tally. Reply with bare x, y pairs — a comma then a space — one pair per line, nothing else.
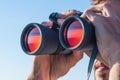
91, 15
96, 19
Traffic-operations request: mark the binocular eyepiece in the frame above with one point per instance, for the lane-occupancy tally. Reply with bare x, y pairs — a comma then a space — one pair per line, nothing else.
75, 33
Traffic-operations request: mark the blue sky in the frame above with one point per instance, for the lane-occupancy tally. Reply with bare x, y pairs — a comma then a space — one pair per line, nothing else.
14, 15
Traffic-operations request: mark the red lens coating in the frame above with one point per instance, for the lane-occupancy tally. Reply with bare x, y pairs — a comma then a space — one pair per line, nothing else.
34, 39
74, 33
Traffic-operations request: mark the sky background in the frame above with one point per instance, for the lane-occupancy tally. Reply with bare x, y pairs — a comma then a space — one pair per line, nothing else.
14, 16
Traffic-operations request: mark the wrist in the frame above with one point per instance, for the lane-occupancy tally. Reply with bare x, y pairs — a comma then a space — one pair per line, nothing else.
38, 75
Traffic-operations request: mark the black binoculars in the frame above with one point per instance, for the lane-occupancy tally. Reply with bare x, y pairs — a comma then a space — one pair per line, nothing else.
75, 33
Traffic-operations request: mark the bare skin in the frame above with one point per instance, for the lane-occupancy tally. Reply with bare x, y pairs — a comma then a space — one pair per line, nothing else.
101, 71
51, 67
106, 19
107, 33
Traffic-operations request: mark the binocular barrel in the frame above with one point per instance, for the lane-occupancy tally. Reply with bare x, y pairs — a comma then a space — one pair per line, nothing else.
38, 39
76, 33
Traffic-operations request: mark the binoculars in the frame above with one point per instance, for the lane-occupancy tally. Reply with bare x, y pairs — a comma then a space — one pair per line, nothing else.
75, 33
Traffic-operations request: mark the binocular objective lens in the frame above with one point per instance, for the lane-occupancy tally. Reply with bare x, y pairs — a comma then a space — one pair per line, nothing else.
74, 33
33, 39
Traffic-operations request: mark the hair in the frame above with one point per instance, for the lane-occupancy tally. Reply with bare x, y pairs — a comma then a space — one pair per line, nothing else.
95, 2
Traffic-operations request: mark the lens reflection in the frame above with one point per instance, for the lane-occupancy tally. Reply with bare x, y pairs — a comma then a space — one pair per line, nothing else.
74, 33
34, 39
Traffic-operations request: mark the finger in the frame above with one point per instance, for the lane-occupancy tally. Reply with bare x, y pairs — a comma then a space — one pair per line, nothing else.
47, 24
88, 53
109, 10
92, 16
76, 56
61, 17
67, 13
64, 15
97, 21
94, 9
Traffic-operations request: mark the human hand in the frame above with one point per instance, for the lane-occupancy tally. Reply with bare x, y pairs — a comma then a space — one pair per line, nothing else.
51, 67
106, 19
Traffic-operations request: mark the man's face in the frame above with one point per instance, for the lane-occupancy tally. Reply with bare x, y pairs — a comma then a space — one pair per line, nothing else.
101, 71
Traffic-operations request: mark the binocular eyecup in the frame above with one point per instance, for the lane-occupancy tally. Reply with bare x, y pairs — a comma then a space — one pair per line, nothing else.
38, 39
77, 33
